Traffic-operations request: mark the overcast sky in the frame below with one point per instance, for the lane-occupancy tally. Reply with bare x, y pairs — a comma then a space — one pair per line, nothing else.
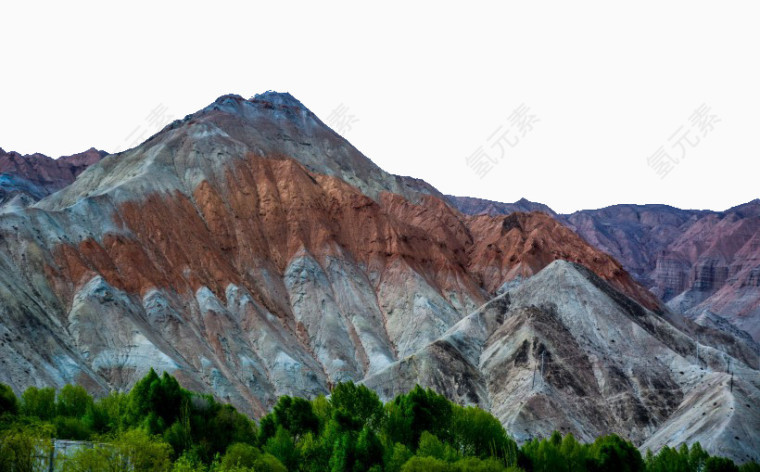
565, 103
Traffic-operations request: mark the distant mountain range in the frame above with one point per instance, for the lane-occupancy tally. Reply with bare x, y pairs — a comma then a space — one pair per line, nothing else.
700, 262
252, 252
32, 177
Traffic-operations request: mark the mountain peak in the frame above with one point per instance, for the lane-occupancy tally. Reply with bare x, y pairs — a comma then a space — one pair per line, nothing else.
278, 98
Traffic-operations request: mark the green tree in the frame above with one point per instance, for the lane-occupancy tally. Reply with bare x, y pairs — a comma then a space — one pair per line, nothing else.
113, 410
322, 409
476, 432
282, 447
396, 457
315, 452
720, 464
73, 401
226, 426
343, 454
296, 415
8, 401
359, 402
188, 463
614, 453
132, 450
431, 446
38, 402
71, 428
143, 452
291, 413
575, 454
240, 455
427, 464
545, 454
156, 402
19, 449
697, 457
368, 451
474, 464
268, 463
417, 411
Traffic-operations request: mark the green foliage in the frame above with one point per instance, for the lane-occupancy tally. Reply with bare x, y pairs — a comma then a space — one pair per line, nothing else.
720, 464
107, 414
477, 433
358, 402
750, 467
614, 453
282, 447
545, 455
292, 414
132, 450
697, 456
240, 455
71, 428
426, 464
220, 426
417, 411
368, 451
73, 401
396, 457
8, 401
19, 449
431, 446
351, 431
188, 463
38, 402
268, 463
158, 400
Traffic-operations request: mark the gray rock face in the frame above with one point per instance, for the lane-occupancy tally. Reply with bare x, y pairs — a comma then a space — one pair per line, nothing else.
253, 253
565, 351
247, 249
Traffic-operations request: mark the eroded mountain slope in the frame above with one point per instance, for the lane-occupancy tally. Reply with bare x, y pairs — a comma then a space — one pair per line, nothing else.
252, 252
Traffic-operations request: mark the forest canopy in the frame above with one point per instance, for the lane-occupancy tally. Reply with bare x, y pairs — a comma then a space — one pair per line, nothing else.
160, 426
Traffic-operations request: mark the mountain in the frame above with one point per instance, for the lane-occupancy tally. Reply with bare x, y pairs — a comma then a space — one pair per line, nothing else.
565, 351
696, 260
715, 266
257, 253
252, 252
479, 206
32, 177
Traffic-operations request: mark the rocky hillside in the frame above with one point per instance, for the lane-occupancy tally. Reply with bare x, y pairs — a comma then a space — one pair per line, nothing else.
252, 252
479, 206
32, 177
565, 351
695, 260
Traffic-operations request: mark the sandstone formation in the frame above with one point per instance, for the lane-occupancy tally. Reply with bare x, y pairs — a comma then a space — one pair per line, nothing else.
695, 260
479, 206
32, 177
252, 252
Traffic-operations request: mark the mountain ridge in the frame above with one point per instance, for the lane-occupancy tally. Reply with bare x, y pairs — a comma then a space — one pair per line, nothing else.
695, 260
253, 252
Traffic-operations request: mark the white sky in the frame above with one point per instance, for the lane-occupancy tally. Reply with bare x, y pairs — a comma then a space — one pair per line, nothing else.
428, 84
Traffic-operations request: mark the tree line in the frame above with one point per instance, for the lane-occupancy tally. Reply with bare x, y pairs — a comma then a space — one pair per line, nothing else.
160, 426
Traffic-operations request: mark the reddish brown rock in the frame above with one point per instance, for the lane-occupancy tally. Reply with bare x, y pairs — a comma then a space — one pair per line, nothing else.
47, 172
